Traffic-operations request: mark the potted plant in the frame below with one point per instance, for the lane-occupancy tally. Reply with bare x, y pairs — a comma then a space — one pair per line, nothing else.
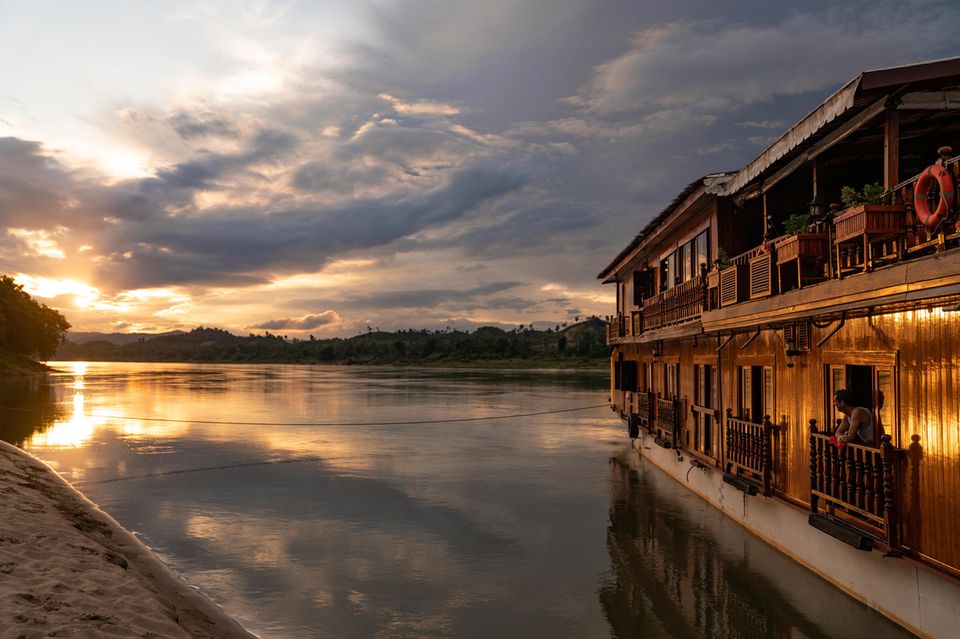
868, 219
868, 212
803, 249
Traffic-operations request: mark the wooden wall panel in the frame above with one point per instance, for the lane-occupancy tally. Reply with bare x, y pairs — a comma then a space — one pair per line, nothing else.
926, 345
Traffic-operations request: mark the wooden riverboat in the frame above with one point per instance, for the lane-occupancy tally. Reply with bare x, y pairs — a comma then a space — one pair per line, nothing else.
730, 339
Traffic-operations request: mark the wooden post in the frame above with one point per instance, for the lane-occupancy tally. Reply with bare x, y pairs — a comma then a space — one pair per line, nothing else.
728, 438
815, 468
767, 454
766, 220
891, 518
819, 192
891, 149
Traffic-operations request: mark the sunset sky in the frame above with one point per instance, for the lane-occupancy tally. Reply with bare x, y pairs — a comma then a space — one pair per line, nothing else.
320, 167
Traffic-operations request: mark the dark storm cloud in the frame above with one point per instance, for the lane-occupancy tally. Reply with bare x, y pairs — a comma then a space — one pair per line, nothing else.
241, 246
529, 226
305, 323
190, 126
35, 189
200, 173
726, 64
420, 298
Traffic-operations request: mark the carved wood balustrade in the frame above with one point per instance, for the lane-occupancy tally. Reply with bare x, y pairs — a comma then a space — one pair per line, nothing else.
748, 451
668, 421
646, 410
678, 304
858, 483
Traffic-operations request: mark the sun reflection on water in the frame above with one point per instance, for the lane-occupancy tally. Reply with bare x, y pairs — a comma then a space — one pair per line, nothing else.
72, 432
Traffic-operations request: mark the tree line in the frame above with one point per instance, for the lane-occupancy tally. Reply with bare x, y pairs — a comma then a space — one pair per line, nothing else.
582, 343
27, 327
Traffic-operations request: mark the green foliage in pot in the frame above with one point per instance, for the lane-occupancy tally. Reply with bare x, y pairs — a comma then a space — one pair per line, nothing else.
797, 223
871, 194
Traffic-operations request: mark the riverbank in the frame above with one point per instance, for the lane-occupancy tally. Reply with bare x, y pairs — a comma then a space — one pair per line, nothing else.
69, 569
12, 365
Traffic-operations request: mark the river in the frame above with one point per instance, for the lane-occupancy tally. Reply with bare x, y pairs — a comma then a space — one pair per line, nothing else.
315, 501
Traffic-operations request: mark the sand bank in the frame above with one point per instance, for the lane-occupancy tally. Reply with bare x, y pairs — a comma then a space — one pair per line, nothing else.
67, 569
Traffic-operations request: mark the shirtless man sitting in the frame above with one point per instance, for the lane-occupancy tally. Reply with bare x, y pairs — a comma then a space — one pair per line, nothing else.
858, 423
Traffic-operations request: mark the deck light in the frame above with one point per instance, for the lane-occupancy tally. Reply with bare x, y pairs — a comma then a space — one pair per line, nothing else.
791, 349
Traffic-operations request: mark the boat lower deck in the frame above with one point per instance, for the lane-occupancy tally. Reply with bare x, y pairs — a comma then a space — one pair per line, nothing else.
902, 590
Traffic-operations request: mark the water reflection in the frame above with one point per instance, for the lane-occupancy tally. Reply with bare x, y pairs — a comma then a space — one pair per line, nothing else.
28, 405
356, 527
682, 569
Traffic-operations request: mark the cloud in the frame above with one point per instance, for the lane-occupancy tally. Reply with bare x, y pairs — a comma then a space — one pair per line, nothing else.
304, 323
725, 65
438, 135
191, 126
425, 298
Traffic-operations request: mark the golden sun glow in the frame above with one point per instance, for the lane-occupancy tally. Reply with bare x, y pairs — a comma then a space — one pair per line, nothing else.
70, 433
84, 295
122, 164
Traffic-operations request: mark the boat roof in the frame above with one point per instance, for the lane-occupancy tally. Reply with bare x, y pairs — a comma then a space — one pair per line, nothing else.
853, 98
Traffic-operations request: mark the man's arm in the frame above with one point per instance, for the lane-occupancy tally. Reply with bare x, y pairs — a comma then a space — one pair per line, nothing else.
841, 432
859, 418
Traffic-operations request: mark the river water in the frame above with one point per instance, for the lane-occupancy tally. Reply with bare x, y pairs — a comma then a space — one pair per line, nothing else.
321, 502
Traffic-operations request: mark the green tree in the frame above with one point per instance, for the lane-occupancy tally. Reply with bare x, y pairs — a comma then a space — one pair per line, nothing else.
28, 327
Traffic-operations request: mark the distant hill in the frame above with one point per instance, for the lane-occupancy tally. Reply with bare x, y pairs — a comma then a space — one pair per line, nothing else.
80, 337
582, 344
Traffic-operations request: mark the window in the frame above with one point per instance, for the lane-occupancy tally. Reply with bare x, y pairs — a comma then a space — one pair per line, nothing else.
705, 400
684, 262
642, 284
701, 251
756, 392
671, 380
629, 376
667, 272
873, 387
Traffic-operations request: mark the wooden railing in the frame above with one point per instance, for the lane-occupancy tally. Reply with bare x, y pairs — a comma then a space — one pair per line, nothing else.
653, 311
689, 300
748, 452
616, 328
646, 410
668, 421
681, 303
858, 483
636, 323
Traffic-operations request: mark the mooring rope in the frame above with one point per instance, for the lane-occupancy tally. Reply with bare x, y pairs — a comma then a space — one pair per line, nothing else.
364, 423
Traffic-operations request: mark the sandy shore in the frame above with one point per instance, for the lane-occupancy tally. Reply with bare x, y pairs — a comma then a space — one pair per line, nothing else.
67, 569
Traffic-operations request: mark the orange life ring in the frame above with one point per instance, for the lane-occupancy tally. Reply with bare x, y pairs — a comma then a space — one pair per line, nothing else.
929, 218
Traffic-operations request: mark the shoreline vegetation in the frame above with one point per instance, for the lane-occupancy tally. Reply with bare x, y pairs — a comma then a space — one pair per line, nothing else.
581, 345
28, 329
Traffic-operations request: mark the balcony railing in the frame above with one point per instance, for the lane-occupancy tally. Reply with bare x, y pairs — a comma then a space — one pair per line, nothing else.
636, 322
858, 239
617, 328
748, 454
858, 484
679, 304
646, 410
668, 422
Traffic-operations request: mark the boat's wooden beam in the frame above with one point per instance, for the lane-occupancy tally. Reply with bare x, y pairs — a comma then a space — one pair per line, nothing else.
891, 148
835, 137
